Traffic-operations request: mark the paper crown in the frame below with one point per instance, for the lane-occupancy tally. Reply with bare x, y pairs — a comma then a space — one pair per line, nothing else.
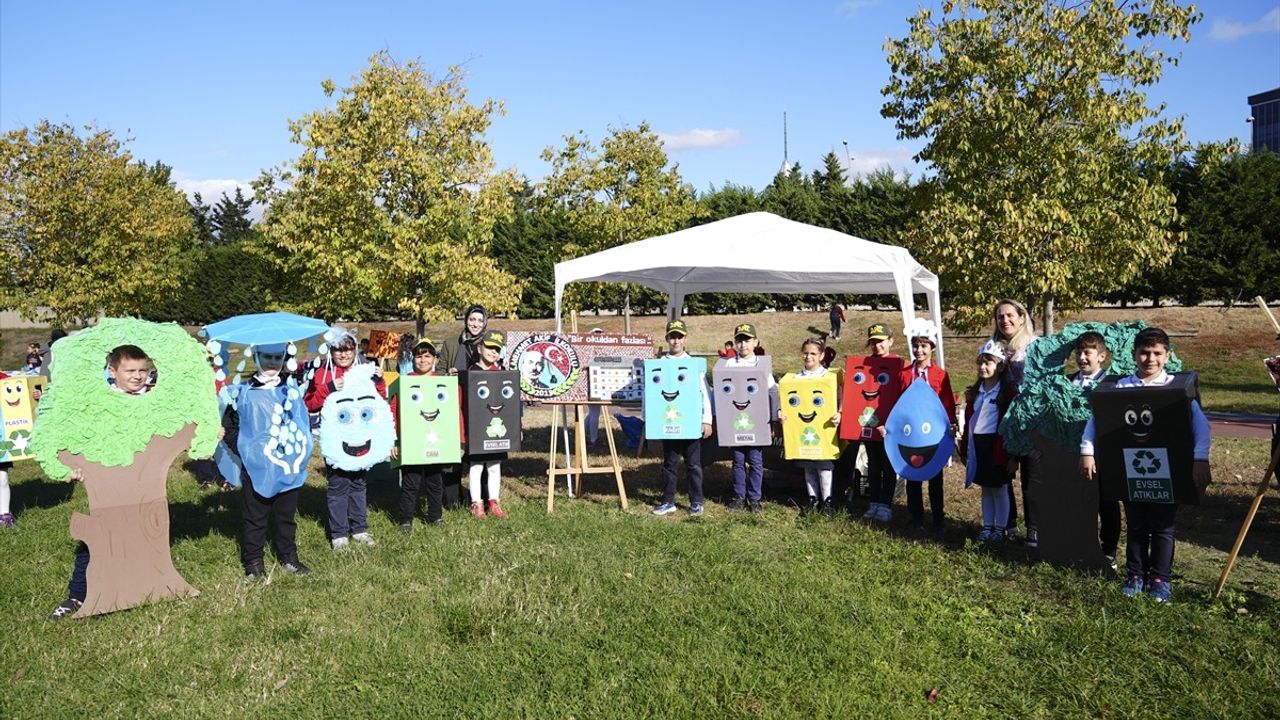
922, 328
993, 348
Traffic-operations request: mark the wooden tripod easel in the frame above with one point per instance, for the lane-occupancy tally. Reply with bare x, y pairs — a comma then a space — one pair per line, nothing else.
578, 465
1262, 487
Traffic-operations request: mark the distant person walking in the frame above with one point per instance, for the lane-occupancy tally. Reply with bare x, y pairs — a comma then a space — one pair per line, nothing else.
836, 313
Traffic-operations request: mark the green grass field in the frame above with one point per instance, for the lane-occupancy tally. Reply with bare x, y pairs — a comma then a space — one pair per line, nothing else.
596, 612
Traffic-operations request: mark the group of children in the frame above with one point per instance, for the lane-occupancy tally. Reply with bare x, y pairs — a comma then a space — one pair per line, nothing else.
1149, 551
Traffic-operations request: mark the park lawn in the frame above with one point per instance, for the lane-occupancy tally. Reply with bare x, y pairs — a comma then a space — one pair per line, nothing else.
596, 612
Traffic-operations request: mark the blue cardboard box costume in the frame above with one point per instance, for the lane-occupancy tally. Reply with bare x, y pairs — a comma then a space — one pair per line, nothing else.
742, 404
1144, 446
673, 398
492, 409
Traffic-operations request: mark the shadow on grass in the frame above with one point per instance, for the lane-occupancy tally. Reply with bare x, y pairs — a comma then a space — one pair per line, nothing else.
40, 493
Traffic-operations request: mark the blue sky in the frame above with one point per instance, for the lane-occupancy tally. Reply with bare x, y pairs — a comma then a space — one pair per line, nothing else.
208, 88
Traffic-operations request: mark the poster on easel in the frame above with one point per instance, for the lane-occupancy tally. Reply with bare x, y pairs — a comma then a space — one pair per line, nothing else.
741, 399
1143, 442
556, 366
19, 395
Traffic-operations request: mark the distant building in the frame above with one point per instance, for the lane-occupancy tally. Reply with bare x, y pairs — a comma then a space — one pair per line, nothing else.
1266, 120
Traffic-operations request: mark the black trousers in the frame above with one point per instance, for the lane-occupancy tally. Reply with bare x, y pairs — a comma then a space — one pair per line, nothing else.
881, 479
1028, 471
1109, 526
254, 512
672, 452
1149, 553
414, 478
915, 499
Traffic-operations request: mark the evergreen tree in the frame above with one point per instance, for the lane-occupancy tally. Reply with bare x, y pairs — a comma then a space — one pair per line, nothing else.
200, 219
230, 217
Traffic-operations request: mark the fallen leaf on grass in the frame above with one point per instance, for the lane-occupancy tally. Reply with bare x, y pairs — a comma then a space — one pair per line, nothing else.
1242, 611
932, 696
627, 575
22, 672
277, 686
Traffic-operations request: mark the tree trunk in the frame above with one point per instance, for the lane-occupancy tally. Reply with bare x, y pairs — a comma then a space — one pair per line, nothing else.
1048, 314
127, 528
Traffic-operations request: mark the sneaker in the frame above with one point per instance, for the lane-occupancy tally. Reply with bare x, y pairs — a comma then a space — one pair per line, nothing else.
67, 608
872, 512
296, 568
695, 510
985, 535
1132, 586
665, 508
810, 507
1033, 539
1110, 561
339, 543
1160, 591
998, 536
1013, 533
753, 506
828, 508
737, 503
255, 570
206, 484
363, 538
885, 514
6, 520
406, 527
477, 511
436, 523
496, 510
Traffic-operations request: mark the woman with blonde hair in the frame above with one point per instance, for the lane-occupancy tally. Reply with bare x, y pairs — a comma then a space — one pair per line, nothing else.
1012, 325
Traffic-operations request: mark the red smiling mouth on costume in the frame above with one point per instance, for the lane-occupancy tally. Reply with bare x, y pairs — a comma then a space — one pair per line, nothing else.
670, 397
870, 395
495, 409
741, 405
429, 416
357, 450
12, 403
807, 417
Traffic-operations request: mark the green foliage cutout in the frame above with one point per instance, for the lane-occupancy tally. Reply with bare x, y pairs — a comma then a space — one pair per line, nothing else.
82, 414
1048, 403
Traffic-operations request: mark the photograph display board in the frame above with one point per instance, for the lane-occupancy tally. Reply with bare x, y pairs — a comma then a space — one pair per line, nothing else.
871, 385
552, 366
673, 398
492, 407
1143, 443
741, 399
808, 412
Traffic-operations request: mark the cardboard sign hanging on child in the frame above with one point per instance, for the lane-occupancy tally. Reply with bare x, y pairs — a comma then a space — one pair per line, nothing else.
741, 402
430, 431
808, 412
1144, 444
492, 405
673, 398
871, 385
18, 397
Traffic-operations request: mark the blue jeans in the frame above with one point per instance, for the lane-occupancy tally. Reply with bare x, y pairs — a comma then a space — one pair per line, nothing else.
672, 452
348, 504
78, 587
744, 484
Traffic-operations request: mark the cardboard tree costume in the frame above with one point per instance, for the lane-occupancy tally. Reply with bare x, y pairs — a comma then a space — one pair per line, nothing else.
430, 432
1048, 415
493, 411
918, 438
871, 385
808, 413
673, 398
742, 403
1144, 446
17, 415
124, 444
356, 429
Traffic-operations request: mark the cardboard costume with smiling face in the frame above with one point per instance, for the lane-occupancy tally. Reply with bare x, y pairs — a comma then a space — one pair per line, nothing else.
741, 397
493, 411
429, 420
356, 430
1143, 446
870, 389
17, 415
918, 437
808, 412
673, 398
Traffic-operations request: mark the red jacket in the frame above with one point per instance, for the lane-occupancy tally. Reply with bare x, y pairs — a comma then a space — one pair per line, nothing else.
322, 384
938, 380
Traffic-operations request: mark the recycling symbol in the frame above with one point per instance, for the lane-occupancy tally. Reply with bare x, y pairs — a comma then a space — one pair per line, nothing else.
868, 418
496, 428
809, 437
1145, 462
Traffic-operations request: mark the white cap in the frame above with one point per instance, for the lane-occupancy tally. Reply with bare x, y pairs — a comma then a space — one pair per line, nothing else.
922, 328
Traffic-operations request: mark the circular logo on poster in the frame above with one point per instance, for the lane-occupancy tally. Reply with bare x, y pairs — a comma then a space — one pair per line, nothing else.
548, 365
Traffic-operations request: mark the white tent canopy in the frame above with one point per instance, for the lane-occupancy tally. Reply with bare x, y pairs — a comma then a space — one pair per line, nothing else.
759, 252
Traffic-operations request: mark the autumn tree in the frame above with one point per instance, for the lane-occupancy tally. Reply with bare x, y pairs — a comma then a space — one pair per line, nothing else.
1037, 129
85, 228
620, 192
393, 198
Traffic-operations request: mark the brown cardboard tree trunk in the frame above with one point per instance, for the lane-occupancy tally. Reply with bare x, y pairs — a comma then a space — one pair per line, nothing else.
127, 528
1068, 509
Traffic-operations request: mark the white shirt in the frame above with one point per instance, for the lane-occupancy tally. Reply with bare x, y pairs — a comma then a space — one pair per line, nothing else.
1081, 380
987, 419
1199, 423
